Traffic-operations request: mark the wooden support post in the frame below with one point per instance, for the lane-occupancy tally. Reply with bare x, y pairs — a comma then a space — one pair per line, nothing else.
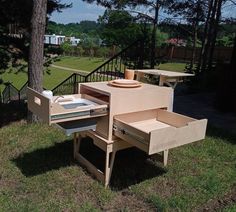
165, 156
107, 169
77, 140
138, 75
162, 80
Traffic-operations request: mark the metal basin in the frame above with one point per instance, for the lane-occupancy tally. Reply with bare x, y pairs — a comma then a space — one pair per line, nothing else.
77, 103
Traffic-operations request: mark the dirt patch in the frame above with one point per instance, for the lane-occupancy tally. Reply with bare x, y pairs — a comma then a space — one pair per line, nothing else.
126, 201
218, 204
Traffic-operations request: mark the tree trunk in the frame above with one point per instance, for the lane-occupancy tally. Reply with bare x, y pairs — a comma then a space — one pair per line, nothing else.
209, 36
233, 76
192, 62
35, 70
233, 57
214, 33
154, 31
205, 37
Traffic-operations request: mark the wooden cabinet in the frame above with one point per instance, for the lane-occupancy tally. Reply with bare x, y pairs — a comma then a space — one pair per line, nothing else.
118, 118
126, 100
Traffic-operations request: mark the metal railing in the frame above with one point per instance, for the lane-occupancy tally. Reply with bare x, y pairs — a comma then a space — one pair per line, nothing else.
130, 57
134, 56
69, 85
10, 93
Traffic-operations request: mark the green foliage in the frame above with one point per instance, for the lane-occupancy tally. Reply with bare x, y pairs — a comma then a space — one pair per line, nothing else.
15, 21
161, 38
103, 52
89, 41
66, 47
53, 50
4, 59
80, 51
227, 41
118, 28
73, 29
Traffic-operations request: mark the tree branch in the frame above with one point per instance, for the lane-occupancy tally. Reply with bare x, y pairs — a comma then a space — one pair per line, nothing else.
142, 14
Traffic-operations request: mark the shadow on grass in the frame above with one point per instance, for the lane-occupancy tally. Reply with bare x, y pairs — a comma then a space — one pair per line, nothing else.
12, 112
223, 134
47, 159
131, 166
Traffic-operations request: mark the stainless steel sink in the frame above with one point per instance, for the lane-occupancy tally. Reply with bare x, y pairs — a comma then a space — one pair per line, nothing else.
77, 103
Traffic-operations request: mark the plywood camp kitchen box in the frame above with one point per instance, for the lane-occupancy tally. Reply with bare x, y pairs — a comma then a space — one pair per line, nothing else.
120, 118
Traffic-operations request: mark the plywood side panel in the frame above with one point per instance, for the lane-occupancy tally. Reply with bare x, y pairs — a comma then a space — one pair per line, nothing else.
39, 105
137, 116
103, 126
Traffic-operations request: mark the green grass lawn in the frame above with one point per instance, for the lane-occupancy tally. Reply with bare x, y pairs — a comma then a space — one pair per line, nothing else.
50, 79
80, 63
38, 173
179, 67
88, 64
56, 75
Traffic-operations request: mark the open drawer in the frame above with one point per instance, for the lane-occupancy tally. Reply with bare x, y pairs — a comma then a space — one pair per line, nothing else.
65, 108
157, 130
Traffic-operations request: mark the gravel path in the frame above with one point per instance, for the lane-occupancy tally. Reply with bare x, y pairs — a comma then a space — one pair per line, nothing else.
70, 69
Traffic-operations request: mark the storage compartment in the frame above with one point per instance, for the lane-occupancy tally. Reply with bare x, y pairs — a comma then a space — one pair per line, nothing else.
96, 94
157, 130
66, 107
70, 127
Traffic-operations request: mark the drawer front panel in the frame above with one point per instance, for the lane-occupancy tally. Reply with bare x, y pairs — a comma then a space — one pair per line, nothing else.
174, 137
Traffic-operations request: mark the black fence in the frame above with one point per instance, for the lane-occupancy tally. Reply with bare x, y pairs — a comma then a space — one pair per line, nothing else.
134, 56
10, 93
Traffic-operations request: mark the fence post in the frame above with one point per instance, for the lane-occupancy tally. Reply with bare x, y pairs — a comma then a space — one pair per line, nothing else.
75, 84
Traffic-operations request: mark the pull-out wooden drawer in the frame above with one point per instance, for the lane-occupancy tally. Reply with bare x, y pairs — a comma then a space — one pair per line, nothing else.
156, 130
65, 108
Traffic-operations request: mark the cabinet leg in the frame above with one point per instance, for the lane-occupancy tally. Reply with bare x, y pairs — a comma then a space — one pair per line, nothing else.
162, 80
165, 156
77, 140
109, 166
